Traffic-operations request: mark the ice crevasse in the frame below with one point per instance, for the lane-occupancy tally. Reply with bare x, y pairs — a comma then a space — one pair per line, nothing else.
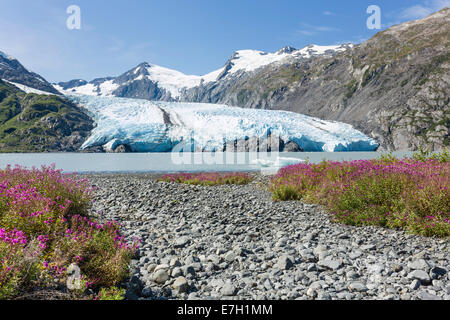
154, 126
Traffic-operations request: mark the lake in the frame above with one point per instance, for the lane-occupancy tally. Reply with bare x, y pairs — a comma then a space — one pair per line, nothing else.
173, 162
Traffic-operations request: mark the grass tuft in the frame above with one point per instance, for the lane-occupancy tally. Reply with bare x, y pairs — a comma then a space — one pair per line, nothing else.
208, 179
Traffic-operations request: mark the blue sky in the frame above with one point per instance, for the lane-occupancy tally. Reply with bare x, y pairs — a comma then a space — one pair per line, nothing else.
192, 36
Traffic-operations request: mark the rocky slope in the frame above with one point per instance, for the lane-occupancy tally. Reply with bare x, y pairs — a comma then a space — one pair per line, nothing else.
153, 82
12, 70
32, 122
234, 242
394, 87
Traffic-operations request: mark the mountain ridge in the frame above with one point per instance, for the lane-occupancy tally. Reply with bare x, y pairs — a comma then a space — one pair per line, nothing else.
161, 83
12, 70
395, 87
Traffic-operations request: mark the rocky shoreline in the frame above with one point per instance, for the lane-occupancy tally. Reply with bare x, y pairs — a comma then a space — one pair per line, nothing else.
235, 243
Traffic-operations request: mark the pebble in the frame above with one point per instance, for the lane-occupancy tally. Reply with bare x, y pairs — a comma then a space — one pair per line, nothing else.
228, 290
181, 242
180, 285
420, 275
284, 263
234, 242
160, 276
357, 286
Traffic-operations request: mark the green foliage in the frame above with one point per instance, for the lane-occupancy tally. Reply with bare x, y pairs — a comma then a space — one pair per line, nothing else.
351, 89
44, 229
423, 155
112, 293
243, 96
410, 194
23, 125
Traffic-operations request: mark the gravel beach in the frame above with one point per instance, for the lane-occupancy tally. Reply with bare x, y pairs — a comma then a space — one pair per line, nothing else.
234, 242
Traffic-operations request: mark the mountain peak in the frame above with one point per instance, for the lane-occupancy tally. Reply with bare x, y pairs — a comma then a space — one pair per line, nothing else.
5, 56
13, 71
286, 49
144, 65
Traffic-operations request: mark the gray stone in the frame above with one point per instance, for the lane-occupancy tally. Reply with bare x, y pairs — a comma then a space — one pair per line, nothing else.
147, 292
423, 295
160, 276
311, 293
176, 272
437, 272
323, 296
268, 285
420, 264
357, 287
213, 258
151, 267
188, 270
161, 267
181, 242
352, 275
330, 264
180, 285
355, 254
420, 275
174, 262
284, 263
230, 256
228, 290
415, 285
320, 248
406, 297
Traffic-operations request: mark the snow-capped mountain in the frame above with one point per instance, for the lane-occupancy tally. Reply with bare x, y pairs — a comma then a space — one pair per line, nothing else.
155, 126
152, 82
13, 71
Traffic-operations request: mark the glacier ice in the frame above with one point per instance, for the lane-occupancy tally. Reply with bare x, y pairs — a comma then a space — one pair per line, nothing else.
150, 126
278, 162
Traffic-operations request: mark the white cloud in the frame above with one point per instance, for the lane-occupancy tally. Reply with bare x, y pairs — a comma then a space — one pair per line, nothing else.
311, 30
422, 10
328, 13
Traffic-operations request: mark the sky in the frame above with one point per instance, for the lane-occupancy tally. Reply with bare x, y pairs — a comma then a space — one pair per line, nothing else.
192, 36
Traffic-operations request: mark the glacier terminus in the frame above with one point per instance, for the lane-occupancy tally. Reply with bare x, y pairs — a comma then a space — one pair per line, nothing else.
156, 126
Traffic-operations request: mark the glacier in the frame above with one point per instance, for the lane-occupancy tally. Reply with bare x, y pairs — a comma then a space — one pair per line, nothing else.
155, 126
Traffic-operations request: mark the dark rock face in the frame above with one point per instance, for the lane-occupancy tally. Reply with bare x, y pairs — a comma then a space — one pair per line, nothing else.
254, 144
12, 70
292, 147
72, 84
144, 89
394, 87
123, 149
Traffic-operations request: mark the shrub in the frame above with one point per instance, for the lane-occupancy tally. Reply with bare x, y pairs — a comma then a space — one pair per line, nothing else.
407, 194
44, 229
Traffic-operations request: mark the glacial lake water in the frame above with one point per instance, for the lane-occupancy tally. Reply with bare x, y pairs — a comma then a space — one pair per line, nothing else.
172, 162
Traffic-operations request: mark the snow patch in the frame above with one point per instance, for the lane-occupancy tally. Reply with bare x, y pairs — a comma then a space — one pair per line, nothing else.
27, 89
175, 82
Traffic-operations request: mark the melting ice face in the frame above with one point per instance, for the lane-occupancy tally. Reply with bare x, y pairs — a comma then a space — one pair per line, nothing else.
148, 126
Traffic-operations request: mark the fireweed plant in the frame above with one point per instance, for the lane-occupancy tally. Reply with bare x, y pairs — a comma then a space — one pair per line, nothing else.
44, 229
208, 179
409, 194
